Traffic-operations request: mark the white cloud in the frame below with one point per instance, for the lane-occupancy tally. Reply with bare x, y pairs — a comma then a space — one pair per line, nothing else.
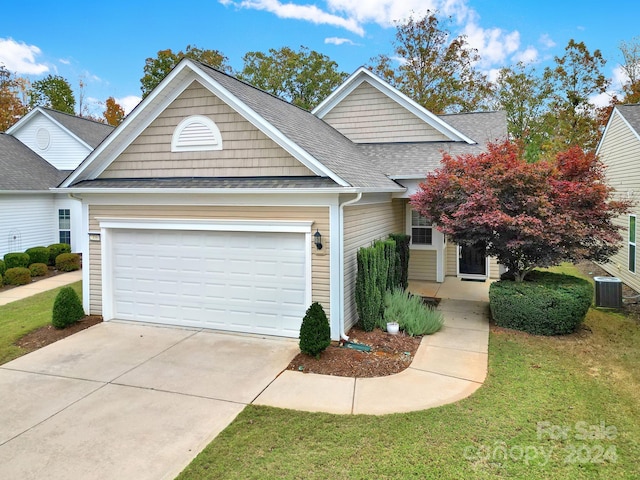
128, 103
527, 56
546, 41
338, 41
21, 58
619, 77
309, 13
493, 44
602, 99
64, 61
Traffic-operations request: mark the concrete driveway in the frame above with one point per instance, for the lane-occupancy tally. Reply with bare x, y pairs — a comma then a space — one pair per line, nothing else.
121, 400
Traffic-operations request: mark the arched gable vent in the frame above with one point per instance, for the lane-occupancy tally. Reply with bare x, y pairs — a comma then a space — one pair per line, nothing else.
196, 133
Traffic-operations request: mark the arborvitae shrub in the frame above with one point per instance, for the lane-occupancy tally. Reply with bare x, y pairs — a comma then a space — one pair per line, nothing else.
67, 308
16, 259
315, 332
17, 276
68, 262
402, 248
368, 294
38, 269
55, 250
38, 255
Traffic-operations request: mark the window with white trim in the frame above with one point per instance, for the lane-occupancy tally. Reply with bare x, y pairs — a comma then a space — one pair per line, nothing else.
632, 243
196, 133
421, 230
64, 225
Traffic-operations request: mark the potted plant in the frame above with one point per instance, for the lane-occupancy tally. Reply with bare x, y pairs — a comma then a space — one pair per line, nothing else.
393, 328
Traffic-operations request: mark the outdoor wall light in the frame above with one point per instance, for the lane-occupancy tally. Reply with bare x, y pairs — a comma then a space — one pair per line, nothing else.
317, 239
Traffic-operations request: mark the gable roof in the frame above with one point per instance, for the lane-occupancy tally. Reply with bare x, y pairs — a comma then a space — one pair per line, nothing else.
88, 132
630, 114
363, 75
23, 169
304, 135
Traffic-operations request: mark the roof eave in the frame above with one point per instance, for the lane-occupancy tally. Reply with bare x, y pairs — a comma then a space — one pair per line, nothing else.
233, 191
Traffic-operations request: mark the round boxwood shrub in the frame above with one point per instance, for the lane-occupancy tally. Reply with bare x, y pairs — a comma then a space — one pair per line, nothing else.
3, 268
16, 259
38, 255
56, 249
67, 308
68, 262
315, 332
38, 269
17, 276
544, 304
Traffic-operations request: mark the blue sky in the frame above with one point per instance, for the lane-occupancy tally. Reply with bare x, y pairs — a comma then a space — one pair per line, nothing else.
105, 44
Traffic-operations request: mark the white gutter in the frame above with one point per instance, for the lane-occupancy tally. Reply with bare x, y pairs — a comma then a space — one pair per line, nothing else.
230, 190
343, 335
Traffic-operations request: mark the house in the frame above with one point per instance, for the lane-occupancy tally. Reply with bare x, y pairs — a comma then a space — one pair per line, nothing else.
619, 150
217, 205
36, 154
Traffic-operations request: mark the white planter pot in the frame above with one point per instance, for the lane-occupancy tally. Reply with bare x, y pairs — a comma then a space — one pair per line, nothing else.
393, 328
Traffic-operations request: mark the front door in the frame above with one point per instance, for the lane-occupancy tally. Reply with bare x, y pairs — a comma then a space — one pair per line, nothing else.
472, 262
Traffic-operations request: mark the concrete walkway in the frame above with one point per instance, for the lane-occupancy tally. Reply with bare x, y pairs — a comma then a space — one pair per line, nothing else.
25, 291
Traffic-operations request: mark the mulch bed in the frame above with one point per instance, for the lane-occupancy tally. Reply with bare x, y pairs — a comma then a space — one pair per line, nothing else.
389, 354
43, 336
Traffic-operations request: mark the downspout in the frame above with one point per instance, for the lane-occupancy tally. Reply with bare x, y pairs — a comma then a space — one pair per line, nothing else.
343, 335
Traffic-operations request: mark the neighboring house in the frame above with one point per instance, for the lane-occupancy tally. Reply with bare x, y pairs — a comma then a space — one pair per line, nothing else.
217, 205
36, 154
619, 150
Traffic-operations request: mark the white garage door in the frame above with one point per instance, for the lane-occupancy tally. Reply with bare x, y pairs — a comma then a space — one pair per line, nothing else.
240, 281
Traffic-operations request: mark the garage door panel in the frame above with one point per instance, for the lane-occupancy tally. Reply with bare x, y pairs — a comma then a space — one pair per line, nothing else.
241, 281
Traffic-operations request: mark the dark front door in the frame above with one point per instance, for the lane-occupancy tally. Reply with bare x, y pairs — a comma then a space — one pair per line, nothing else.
473, 261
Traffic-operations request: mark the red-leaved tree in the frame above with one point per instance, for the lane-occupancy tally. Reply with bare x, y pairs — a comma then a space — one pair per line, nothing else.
527, 214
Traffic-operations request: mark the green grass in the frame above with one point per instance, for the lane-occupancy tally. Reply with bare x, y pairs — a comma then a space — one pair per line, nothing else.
23, 316
590, 377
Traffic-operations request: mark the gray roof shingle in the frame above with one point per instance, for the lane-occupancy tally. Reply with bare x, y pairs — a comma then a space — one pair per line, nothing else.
23, 169
217, 182
631, 113
89, 131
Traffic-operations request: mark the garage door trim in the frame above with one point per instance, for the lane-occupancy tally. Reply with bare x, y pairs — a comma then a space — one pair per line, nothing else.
108, 225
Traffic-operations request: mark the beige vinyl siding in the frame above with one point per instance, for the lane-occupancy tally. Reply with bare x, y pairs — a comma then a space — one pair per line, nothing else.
319, 215
620, 151
246, 152
494, 268
369, 116
451, 260
423, 265
362, 225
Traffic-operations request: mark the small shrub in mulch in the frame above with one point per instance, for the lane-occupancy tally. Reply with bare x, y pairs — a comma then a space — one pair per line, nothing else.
68, 262
67, 308
16, 259
38, 269
56, 249
38, 255
3, 268
17, 276
315, 332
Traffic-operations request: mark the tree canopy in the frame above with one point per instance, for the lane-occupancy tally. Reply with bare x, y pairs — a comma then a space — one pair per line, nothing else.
113, 112
527, 214
304, 78
155, 69
53, 91
436, 71
12, 92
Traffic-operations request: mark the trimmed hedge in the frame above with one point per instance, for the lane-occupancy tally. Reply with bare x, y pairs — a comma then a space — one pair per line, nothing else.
3, 268
38, 255
38, 269
544, 304
402, 248
68, 262
315, 332
56, 249
67, 308
17, 276
16, 259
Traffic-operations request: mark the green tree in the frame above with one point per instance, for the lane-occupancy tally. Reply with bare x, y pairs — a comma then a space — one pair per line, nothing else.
436, 71
155, 69
631, 67
576, 77
304, 78
12, 92
113, 113
53, 91
524, 97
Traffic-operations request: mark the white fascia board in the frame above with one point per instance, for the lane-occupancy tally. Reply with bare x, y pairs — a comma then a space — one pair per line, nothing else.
18, 125
27, 192
131, 127
606, 129
361, 75
69, 132
226, 191
218, 225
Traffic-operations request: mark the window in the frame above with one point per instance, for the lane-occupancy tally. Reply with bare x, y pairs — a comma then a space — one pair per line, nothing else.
64, 225
632, 243
421, 230
195, 134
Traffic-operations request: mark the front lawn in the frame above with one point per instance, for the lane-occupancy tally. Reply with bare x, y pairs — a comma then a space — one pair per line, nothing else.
23, 316
551, 407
